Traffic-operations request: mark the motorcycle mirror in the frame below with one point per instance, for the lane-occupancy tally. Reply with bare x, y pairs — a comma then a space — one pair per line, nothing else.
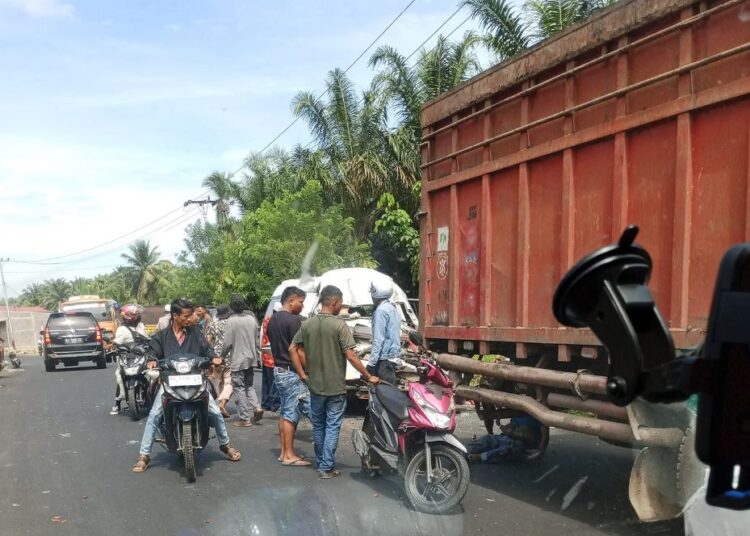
416, 338
607, 291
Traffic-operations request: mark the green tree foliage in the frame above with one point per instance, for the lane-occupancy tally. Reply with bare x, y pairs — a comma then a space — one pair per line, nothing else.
145, 270
55, 291
396, 227
348, 130
223, 190
509, 30
271, 242
200, 265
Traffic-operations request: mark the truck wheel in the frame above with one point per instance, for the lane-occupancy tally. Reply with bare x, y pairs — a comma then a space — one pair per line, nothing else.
49, 365
188, 454
101, 362
450, 479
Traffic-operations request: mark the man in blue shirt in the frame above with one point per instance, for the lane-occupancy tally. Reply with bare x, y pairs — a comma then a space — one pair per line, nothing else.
386, 332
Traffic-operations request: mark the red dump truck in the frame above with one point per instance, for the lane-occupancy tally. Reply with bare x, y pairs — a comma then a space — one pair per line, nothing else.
639, 115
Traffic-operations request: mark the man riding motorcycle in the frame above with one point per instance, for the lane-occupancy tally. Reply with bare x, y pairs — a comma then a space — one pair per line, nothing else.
179, 337
126, 335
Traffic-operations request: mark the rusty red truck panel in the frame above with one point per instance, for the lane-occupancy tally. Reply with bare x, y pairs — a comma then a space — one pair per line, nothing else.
639, 115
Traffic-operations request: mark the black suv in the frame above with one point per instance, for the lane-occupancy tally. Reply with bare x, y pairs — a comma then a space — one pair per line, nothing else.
71, 338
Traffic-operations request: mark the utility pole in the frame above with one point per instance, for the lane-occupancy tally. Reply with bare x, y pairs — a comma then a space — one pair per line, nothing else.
7, 307
202, 203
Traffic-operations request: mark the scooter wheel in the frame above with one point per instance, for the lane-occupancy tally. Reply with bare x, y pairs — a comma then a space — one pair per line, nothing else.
450, 479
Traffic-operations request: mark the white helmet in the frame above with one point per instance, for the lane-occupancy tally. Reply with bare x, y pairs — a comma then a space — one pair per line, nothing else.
381, 290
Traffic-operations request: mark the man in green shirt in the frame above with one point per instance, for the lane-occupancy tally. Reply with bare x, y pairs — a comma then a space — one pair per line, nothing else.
319, 352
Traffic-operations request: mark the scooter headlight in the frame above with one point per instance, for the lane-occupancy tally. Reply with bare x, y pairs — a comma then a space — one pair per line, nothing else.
440, 420
183, 367
132, 371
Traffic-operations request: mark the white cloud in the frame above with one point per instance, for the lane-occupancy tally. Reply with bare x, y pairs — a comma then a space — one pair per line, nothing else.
98, 193
41, 8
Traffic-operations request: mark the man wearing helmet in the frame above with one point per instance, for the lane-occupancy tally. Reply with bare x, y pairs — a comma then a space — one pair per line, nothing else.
386, 332
125, 334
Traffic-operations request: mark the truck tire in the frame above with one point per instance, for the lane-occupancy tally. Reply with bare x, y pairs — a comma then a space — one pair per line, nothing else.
188, 454
101, 362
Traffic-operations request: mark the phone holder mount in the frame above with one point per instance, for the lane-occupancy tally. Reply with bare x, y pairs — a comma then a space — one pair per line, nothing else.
607, 292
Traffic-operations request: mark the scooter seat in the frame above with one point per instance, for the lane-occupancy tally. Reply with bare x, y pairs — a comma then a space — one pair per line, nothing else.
395, 402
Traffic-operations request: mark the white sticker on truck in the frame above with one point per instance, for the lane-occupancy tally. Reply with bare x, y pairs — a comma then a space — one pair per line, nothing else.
442, 239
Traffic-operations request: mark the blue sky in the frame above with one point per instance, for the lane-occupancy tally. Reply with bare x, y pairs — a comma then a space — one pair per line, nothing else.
113, 111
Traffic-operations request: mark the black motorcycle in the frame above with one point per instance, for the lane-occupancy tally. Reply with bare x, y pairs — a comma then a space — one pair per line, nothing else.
185, 427
137, 383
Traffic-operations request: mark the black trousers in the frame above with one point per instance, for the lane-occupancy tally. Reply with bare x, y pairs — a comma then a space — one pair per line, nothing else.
385, 370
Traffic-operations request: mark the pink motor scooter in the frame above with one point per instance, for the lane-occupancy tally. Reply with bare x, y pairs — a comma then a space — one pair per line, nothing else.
412, 433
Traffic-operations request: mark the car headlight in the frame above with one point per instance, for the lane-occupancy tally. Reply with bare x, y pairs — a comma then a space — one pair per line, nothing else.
183, 367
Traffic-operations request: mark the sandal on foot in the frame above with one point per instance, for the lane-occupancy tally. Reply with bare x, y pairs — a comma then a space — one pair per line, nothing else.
242, 424
330, 474
299, 462
232, 454
142, 464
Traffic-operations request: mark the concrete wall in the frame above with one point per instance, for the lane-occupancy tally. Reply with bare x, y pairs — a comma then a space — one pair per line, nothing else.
25, 329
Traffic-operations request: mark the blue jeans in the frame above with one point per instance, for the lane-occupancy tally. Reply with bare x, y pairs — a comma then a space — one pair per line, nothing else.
156, 415
327, 415
295, 398
269, 398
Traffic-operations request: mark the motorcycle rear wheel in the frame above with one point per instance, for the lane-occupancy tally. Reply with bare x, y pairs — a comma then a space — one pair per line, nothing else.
450, 479
188, 454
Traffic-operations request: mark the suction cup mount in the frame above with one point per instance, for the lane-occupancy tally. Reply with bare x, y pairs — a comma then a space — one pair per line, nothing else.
607, 291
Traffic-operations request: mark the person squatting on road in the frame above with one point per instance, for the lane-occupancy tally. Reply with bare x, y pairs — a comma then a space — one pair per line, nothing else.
386, 333
294, 395
241, 342
125, 335
181, 338
319, 352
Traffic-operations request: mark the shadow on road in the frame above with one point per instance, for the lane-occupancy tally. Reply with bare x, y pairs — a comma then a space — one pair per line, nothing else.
580, 478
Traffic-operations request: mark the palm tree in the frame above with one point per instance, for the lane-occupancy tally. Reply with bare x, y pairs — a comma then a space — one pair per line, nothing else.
55, 291
145, 270
223, 190
32, 295
267, 177
407, 87
349, 132
506, 34
506, 31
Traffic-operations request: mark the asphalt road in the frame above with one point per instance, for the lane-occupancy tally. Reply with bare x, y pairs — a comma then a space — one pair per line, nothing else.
65, 469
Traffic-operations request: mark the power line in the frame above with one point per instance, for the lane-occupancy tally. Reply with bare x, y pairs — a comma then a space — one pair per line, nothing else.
352, 64
50, 260
80, 268
171, 224
419, 47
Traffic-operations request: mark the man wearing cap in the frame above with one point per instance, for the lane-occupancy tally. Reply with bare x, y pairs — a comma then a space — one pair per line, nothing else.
163, 321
